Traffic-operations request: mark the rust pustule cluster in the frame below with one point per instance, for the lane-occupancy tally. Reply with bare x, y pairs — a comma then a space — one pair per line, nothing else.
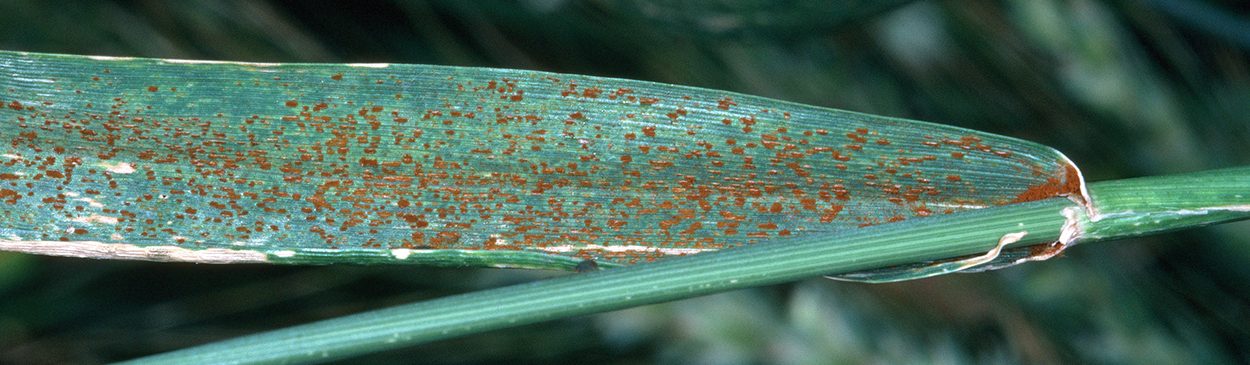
152, 152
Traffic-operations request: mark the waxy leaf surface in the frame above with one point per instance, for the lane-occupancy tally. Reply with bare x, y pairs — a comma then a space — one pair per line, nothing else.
324, 163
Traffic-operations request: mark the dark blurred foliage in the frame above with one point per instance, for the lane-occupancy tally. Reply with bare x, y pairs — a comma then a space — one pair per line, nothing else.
1126, 88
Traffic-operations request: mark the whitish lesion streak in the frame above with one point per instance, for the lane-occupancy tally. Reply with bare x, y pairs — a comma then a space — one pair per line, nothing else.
101, 250
623, 248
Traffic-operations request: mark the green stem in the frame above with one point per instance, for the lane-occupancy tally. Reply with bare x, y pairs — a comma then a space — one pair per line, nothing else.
1158, 204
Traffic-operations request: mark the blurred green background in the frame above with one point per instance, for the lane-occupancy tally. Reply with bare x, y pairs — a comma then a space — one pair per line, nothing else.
1125, 88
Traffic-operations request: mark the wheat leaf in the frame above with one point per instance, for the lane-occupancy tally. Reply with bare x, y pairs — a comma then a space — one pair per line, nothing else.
175, 160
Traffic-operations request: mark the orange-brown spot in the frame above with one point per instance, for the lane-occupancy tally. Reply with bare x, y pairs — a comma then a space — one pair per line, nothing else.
1069, 186
830, 214
660, 163
694, 227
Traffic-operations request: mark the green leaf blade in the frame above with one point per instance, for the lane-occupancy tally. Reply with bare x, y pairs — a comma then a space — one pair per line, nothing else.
323, 163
